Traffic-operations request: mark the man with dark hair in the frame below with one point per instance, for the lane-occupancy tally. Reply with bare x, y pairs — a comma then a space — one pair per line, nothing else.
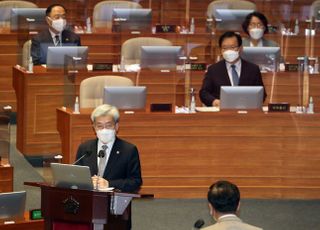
56, 35
231, 71
224, 203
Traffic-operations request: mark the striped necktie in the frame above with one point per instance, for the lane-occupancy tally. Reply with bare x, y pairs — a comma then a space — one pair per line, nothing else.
235, 76
57, 41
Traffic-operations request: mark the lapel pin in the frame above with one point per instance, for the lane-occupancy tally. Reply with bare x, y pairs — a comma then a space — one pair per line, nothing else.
118, 152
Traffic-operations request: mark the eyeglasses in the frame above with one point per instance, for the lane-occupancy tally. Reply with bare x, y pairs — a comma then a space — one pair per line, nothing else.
224, 48
108, 125
256, 25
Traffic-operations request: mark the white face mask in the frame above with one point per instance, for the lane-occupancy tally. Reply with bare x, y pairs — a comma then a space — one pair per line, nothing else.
230, 55
106, 135
59, 24
256, 33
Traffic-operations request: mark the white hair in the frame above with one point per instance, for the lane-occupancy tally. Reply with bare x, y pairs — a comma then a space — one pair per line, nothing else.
105, 110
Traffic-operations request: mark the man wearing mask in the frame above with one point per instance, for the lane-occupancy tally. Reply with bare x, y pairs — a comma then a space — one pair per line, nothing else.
113, 162
231, 71
56, 35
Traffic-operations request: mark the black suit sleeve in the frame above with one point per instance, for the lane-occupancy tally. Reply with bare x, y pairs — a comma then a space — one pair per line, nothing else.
206, 92
133, 180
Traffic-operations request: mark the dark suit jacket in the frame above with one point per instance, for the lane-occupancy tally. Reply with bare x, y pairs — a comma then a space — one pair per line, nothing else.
123, 170
217, 76
43, 40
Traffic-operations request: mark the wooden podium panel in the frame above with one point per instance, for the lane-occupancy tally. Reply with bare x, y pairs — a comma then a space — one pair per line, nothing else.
272, 155
6, 178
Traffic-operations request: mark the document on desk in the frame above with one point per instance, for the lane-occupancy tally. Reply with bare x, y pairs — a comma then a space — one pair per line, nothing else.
208, 109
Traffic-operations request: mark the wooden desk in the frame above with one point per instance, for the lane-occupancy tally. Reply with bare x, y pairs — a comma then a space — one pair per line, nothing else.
40, 93
273, 155
26, 224
6, 176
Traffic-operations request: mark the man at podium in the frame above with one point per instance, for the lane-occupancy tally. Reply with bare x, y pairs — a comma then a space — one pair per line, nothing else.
113, 162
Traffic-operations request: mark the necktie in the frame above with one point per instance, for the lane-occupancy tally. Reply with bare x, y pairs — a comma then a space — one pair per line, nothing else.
102, 161
235, 77
57, 40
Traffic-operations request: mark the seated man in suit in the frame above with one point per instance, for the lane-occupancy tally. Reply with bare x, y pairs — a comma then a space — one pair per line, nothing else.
113, 162
231, 71
56, 35
224, 204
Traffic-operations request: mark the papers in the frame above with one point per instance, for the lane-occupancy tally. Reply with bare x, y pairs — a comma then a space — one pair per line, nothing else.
109, 189
208, 109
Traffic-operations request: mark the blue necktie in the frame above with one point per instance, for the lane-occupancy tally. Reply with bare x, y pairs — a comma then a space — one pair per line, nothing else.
235, 77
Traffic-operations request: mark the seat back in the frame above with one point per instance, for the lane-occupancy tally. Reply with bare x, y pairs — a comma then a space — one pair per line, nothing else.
91, 89
314, 9
102, 12
26, 53
4, 135
6, 6
131, 49
229, 4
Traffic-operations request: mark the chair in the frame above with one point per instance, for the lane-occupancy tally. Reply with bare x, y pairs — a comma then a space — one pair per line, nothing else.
314, 9
26, 53
102, 12
229, 4
131, 49
91, 89
6, 6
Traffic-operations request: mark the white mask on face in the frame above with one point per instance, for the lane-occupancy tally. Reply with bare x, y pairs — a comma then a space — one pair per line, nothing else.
106, 135
230, 55
59, 24
256, 33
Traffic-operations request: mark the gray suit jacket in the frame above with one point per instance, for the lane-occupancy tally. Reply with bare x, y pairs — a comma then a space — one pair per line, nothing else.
231, 222
265, 42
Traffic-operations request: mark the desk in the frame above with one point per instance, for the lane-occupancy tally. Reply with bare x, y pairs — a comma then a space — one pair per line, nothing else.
40, 93
273, 155
6, 176
26, 224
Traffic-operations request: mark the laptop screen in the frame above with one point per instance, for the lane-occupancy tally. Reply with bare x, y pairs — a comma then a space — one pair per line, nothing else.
71, 176
12, 205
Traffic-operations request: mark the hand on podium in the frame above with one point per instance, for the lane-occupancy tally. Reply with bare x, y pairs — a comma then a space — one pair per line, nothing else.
99, 182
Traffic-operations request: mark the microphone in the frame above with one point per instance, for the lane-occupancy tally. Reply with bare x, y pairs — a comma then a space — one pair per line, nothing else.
101, 153
86, 154
198, 224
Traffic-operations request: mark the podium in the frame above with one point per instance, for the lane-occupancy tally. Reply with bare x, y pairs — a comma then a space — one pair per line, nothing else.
64, 208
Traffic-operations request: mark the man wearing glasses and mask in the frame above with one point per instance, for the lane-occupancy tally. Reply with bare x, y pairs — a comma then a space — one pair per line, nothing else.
231, 71
56, 35
113, 162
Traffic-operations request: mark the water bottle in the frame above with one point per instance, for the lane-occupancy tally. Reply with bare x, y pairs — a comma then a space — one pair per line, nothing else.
76, 106
192, 108
192, 26
296, 27
88, 24
30, 65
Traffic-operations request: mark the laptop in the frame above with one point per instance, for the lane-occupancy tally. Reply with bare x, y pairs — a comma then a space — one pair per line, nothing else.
71, 176
126, 97
12, 205
241, 97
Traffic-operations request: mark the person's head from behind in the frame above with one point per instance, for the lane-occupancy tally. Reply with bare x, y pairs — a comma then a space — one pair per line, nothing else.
105, 120
255, 25
230, 44
223, 198
56, 18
